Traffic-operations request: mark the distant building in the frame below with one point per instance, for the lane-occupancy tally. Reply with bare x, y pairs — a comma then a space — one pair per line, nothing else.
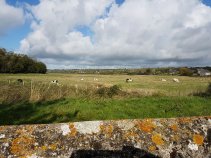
203, 72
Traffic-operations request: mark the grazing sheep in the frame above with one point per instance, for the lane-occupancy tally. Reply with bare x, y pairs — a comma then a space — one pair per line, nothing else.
176, 80
82, 79
95, 79
163, 80
19, 80
129, 80
55, 82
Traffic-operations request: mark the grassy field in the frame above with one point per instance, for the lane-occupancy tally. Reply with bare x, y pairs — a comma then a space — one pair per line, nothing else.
38, 101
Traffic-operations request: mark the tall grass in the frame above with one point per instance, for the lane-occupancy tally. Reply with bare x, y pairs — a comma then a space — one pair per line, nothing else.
35, 91
32, 91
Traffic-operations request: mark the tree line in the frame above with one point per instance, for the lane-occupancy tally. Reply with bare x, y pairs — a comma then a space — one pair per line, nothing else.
178, 71
11, 62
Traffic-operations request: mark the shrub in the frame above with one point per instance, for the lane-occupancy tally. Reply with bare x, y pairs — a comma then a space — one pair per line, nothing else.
209, 89
108, 91
102, 91
113, 90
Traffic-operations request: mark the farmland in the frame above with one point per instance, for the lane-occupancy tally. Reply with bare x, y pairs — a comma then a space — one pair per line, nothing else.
109, 97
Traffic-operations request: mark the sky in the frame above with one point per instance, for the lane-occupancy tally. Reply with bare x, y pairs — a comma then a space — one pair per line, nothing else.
108, 33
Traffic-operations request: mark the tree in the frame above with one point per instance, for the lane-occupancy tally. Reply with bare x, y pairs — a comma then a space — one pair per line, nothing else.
148, 71
184, 71
19, 63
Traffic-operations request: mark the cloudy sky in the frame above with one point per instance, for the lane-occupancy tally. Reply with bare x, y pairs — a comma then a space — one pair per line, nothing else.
108, 33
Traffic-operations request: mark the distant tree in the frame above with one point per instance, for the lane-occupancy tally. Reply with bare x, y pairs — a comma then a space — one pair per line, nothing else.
18, 63
184, 71
148, 71
40, 67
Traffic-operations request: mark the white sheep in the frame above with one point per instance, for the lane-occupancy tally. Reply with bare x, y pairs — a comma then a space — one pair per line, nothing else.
176, 80
95, 79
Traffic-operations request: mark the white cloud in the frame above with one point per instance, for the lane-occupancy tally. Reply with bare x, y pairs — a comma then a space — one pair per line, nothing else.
9, 17
138, 33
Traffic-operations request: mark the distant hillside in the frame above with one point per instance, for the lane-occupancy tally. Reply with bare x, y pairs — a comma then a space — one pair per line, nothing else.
19, 63
179, 71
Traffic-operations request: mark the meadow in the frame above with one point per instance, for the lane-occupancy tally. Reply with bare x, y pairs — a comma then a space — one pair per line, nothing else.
109, 97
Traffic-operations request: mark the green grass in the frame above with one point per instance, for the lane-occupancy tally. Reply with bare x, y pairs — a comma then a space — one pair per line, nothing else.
65, 110
37, 101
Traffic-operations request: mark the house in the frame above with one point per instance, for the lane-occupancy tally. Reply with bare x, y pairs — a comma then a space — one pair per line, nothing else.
203, 72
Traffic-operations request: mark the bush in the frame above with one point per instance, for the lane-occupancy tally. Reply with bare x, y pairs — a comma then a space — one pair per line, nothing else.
108, 91
113, 90
207, 93
209, 89
102, 91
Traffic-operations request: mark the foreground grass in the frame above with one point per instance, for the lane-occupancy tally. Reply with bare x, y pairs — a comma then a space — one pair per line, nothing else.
65, 110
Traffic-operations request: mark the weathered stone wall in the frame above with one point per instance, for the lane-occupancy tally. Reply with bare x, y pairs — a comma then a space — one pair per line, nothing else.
180, 137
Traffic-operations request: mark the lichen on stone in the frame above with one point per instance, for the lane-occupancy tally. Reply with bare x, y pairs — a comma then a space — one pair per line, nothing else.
152, 148
106, 129
131, 135
22, 146
88, 127
73, 130
174, 127
146, 125
65, 129
183, 137
157, 139
198, 139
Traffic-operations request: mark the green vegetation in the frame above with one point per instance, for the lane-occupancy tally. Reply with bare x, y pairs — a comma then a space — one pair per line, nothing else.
64, 110
110, 97
184, 71
19, 63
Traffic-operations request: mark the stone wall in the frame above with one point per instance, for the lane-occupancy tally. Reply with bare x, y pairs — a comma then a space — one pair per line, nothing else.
176, 138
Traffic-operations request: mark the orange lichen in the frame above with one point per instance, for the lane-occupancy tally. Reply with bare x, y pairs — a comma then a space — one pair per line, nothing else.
2, 156
130, 135
53, 146
29, 129
184, 120
106, 129
157, 139
198, 139
174, 127
73, 130
175, 138
22, 146
71, 125
146, 126
152, 148
1, 128
20, 131
44, 147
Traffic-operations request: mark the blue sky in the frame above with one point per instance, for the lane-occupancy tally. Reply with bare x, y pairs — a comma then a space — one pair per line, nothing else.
15, 2
12, 38
207, 2
104, 35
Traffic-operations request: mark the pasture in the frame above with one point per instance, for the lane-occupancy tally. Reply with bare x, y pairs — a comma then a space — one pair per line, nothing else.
80, 97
